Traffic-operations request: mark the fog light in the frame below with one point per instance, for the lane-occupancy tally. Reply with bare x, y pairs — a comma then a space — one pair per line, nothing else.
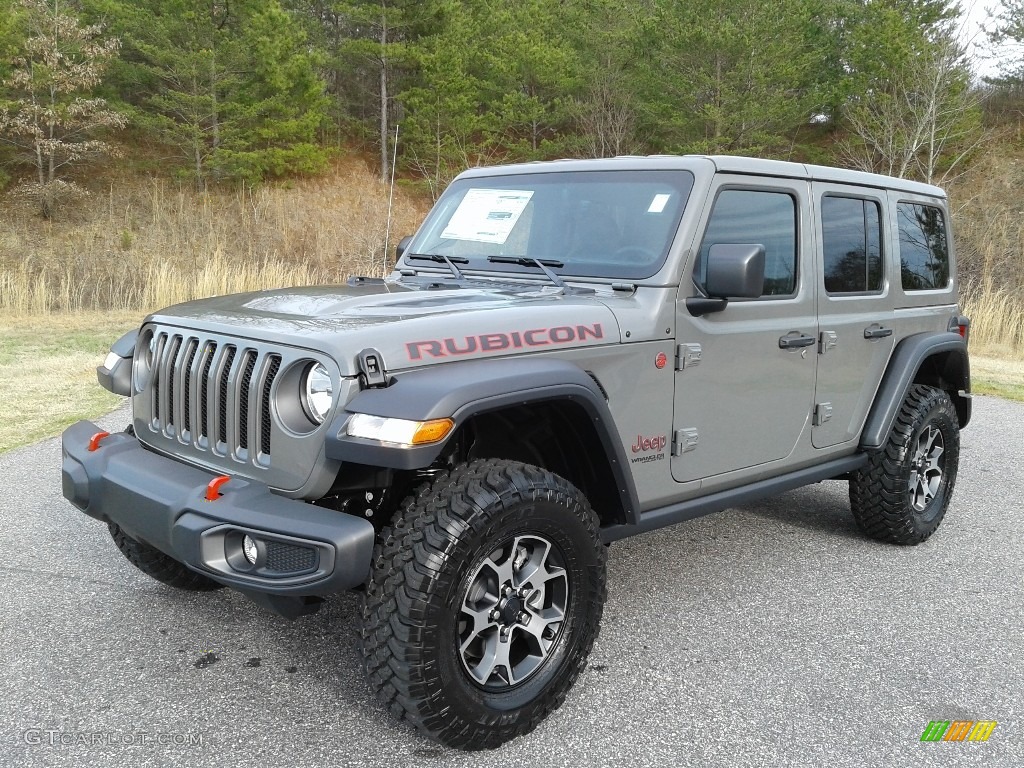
250, 550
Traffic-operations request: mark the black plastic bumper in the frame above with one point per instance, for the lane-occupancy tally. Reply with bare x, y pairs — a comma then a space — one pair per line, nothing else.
163, 503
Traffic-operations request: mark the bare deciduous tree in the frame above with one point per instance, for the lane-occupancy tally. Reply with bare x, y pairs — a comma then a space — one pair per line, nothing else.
606, 118
52, 119
924, 122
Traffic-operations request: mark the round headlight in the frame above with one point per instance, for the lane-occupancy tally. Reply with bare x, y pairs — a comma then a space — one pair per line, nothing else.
318, 393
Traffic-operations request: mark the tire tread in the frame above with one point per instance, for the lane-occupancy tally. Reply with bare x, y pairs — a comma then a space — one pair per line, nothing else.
878, 492
407, 568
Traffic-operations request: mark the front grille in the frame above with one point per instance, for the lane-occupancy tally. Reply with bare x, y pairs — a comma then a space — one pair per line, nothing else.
213, 396
289, 558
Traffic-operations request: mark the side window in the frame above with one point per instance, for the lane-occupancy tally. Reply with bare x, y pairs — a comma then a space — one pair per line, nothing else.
742, 217
851, 242
924, 252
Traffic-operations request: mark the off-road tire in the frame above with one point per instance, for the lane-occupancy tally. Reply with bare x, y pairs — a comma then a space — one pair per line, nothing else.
880, 494
155, 563
422, 576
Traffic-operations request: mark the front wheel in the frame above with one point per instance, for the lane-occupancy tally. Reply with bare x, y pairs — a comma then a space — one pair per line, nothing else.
483, 603
902, 494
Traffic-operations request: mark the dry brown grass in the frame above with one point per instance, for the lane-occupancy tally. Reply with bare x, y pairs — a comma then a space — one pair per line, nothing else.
997, 320
988, 215
145, 245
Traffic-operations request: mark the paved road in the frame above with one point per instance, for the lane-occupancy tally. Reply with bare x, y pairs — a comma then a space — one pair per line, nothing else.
770, 635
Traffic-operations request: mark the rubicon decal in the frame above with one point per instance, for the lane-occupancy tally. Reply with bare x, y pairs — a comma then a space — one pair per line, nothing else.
498, 342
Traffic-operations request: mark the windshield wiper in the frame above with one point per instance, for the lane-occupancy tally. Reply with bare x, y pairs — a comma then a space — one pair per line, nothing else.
529, 261
440, 258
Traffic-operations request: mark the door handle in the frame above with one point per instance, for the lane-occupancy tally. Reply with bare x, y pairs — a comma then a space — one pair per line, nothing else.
877, 332
795, 342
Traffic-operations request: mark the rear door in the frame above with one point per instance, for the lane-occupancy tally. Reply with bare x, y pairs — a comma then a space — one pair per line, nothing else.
855, 307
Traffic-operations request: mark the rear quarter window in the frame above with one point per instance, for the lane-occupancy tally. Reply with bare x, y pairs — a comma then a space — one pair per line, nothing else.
924, 247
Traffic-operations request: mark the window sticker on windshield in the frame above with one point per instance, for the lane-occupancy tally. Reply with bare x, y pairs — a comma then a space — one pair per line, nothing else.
487, 215
658, 203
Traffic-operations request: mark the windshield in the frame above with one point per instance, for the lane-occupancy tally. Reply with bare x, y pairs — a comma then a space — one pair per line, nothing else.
593, 223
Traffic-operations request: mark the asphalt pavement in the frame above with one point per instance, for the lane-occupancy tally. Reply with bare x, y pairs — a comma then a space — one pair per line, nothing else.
769, 635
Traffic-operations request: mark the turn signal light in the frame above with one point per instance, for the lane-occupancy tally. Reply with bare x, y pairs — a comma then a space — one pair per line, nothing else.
398, 431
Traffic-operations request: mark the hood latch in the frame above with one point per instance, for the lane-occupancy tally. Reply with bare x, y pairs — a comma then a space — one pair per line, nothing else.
371, 369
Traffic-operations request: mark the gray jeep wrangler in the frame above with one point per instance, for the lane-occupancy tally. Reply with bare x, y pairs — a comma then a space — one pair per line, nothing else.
567, 354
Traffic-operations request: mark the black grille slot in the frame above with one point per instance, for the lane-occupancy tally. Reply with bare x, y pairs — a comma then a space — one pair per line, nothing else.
158, 357
190, 357
172, 368
204, 388
273, 368
225, 374
243, 400
289, 558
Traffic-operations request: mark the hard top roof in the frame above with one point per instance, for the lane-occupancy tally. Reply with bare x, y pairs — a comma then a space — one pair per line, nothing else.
720, 163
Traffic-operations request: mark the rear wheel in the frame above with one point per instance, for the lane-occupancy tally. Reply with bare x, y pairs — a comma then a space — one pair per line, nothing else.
902, 494
153, 562
484, 601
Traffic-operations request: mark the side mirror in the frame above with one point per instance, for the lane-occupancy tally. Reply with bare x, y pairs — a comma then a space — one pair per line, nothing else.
735, 271
403, 244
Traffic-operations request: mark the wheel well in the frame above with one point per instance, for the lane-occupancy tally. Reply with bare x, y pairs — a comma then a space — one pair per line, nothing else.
948, 371
558, 436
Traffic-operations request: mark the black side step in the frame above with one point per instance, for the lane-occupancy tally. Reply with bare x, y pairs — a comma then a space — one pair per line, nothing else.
653, 519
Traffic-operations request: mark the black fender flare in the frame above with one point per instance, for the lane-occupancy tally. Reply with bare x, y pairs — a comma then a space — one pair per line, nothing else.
119, 378
462, 390
904, 365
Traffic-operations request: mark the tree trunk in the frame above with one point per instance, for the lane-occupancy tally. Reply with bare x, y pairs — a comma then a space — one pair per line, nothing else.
214, 106
384, 132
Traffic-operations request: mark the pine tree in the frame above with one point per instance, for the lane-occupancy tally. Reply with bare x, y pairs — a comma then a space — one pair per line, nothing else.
232, 87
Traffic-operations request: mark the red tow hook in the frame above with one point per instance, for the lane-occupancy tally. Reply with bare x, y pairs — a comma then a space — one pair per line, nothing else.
94, 442
213, 488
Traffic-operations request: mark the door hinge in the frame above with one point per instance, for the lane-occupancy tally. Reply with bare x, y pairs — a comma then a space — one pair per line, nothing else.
822, 413
688, 356
826, 341
684, 440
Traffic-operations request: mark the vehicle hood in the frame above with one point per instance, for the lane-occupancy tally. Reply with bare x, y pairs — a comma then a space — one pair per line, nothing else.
410, 325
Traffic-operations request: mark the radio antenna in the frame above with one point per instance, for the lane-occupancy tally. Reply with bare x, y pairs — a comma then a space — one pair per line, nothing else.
391, 202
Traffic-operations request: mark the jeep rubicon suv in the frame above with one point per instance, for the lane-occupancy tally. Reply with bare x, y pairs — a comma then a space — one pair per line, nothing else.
566, 354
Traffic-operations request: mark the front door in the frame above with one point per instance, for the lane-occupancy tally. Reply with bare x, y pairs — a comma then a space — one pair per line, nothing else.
745, 375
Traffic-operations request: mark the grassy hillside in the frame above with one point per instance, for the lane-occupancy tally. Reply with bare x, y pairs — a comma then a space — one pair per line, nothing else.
143, 243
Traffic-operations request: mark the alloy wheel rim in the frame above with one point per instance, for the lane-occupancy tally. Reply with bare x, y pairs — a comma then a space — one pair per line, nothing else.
926, 468
512, 613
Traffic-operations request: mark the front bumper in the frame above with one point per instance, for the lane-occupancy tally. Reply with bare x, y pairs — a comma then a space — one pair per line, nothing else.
305, 550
